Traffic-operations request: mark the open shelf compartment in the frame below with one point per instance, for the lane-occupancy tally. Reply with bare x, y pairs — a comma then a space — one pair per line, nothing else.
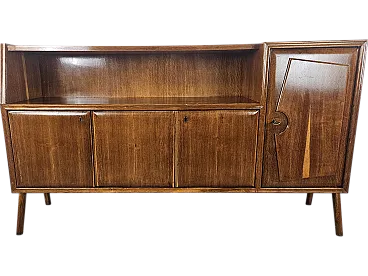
225, 76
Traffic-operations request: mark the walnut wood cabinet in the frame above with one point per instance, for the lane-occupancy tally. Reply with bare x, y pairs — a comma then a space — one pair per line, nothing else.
271, 117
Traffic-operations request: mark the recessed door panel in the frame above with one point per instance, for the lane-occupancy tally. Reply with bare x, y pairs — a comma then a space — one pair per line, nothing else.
309, 98
134, 149
52, 149
217, 148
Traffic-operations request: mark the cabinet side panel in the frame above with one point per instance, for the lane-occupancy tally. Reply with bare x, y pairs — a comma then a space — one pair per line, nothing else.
15, 87
2, 73
354, 114
32, 75
253, 69
9, 149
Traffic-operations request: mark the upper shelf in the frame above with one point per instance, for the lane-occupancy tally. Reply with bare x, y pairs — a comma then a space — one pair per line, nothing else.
179, 48
138, 103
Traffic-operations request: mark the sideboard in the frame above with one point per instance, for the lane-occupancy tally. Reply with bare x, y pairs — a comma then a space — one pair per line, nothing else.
257, 118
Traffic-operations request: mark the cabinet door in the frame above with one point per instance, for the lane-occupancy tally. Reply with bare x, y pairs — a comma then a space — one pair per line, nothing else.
134, 149
309, 99
52, 149
217, 148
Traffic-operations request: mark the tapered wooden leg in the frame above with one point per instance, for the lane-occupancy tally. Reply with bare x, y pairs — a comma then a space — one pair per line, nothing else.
309, 199
337, 213
47, 199
21, 213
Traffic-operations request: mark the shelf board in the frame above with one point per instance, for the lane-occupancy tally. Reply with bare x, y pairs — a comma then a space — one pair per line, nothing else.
141, 103
173, 48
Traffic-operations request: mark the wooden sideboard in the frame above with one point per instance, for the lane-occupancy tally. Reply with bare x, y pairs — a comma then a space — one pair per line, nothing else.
271, 117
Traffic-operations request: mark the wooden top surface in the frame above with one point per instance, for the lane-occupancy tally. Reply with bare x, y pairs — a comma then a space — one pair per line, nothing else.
179, 48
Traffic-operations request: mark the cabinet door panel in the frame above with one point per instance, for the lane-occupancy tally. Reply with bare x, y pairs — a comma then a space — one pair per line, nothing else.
309, 98
134, 149
217, 148
52, 149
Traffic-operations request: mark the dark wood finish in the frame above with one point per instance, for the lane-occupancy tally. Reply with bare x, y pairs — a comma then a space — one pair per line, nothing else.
20, 76
47, 199
15, 83
326, 44
32, 76
134, 149
309, 199
175, 190
140, 190
336, 200
9, 148
272, 117
143, 103
262, 116
122, 49
52, 149
21, 213
217, 148
168, 74
309, 97
253, 76
2, 72
354, 115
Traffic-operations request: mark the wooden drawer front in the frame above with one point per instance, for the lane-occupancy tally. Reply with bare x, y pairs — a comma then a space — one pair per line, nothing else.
217, 148
134, 149
52, 149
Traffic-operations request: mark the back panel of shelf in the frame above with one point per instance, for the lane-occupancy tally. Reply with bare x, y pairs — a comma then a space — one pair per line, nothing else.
233, 74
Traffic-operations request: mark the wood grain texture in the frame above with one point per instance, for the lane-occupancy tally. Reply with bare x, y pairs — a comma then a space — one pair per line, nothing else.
20, 76
336, 200
354, 114
52, 149
193, 74
2, 72
142, 103
308, 87
179, 190
122, 49
313, 108
252, 83
21, 213
307, 151
9, 148
134, 149
221, 118
15, 84
32, 76
316, 44
264, 50
217, 148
